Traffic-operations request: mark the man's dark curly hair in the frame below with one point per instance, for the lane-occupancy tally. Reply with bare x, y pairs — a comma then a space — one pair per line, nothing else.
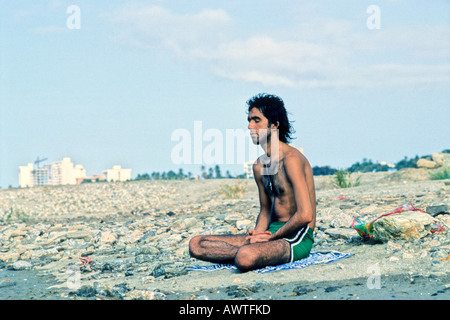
272, 107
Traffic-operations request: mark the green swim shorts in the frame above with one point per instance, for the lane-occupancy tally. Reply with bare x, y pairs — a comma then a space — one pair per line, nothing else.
301, 243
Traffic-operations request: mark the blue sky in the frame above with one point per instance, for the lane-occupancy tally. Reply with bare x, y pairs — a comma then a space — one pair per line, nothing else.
114, 90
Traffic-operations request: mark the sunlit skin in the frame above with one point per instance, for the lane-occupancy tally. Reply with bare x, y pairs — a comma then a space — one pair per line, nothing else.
288, 196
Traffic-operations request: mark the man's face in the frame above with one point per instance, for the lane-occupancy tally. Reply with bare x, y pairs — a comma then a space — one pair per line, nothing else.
258, 125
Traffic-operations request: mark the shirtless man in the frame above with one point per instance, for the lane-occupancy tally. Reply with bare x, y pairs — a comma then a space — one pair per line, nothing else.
284, 227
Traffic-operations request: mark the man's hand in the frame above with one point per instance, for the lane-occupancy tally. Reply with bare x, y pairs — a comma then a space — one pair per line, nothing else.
255, 236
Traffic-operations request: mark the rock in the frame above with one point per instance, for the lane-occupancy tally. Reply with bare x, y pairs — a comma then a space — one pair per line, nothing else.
301, 290
118, 291
233, 218
150, 251
438, 158
85, 292
404, 225
341, 233
191, 222
342, 221
438, 209
407, 255
394, 259
7, 283
157, 270
179, 224
145, 295
10, 256
243, 224
394, 245
108, 238
106, 267
21, 265
427, 164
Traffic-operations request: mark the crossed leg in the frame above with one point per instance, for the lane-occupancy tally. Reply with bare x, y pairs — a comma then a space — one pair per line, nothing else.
236, 250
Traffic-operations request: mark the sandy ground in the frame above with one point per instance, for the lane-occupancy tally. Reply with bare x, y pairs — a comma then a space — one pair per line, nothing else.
400, 270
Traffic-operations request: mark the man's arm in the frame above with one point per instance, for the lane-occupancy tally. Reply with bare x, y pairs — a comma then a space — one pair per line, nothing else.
263, 220
295, 173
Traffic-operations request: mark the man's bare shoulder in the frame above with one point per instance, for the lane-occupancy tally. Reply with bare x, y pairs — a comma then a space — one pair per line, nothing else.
293, 156
257, 165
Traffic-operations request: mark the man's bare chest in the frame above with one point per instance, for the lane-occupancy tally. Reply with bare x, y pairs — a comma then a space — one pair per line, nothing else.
276, 185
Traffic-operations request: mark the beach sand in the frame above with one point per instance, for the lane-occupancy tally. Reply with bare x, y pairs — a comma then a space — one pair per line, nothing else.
136, 237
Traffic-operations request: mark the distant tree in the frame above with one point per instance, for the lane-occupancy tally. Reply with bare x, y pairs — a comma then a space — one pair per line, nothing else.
144, 176
407, 163
323, 171
210, 173
203, 174
181, 175
218, 174
171, 175
156, 176
367, 165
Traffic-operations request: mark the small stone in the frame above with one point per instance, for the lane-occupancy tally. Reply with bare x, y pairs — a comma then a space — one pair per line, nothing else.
331, 289
7, 283
85, 292
438, 209
190, 222
108, 237
300, 290
342, 221
422, 254
107, 268
341, 233
394, 245
243, 224
233, 218
145, 295
158, 270
434, 243
394, 259
21, 265
407, 255
179, 224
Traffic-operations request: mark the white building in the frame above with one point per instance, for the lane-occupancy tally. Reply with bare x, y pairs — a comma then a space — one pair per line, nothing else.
58, 173
118, 174
64, 172
248, 169
26, 176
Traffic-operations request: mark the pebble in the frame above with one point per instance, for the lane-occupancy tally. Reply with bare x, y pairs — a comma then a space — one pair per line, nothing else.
7, 283
138, 232
21, 265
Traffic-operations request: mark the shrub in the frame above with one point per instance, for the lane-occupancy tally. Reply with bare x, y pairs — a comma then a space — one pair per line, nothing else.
441, 174
343, 179
234, 192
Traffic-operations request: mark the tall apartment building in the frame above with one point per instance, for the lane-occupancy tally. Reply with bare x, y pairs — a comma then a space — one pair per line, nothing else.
57, 173
26, 177
118, 174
